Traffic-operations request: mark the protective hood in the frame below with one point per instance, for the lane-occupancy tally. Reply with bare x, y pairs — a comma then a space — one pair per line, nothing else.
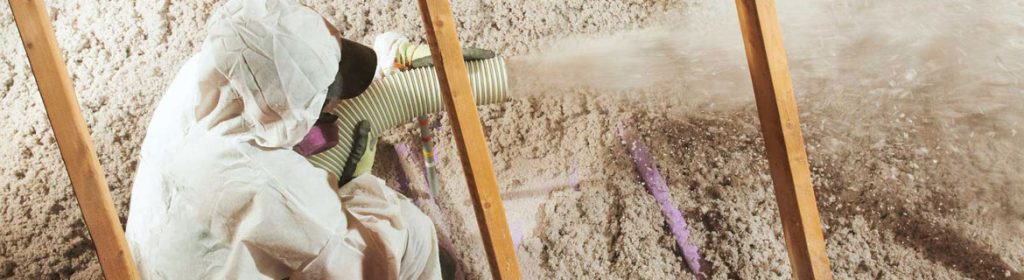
219, 194
270, 63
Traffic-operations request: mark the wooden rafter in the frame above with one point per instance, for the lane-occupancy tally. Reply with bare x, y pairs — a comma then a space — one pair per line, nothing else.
469, 137
73, 139
780, 126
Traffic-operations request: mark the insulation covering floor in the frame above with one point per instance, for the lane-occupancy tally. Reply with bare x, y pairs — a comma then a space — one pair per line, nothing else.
912, 113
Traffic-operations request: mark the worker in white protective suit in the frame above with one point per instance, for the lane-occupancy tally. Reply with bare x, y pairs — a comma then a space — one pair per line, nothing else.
219, 192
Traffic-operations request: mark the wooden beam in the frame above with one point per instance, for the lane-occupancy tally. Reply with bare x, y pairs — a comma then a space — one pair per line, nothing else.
73, 139
469, 136
780, 126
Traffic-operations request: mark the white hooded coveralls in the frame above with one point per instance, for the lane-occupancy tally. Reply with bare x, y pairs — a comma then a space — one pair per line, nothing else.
219, 194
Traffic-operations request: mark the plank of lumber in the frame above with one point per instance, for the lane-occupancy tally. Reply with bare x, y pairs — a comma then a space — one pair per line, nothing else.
73, 139
780, 126
469, 137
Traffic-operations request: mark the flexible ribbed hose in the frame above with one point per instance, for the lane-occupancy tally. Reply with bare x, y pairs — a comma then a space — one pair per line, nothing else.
400, 97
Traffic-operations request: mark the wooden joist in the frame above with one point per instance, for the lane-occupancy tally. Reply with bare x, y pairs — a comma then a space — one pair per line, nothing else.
780, 126
73, 139
469, 137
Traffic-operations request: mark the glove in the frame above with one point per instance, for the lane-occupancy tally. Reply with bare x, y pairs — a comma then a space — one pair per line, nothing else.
398, 54
360, 158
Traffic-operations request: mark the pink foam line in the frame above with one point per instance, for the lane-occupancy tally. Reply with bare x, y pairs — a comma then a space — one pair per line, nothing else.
403, 179
659, 189
574, 178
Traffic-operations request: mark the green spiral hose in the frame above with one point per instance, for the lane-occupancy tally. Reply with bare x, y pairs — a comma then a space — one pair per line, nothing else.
400, 97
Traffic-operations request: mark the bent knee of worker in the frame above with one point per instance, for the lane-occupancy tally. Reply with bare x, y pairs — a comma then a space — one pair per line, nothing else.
420, 257
417, 222
369, 194
422, 235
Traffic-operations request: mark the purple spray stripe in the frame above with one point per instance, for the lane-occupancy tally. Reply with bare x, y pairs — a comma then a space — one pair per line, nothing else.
436, 125
403, 179
435, 156
517, 234
574, 177
659, 189
406, 162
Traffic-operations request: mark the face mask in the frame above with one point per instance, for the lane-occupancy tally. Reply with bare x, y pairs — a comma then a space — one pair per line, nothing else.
323, 136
